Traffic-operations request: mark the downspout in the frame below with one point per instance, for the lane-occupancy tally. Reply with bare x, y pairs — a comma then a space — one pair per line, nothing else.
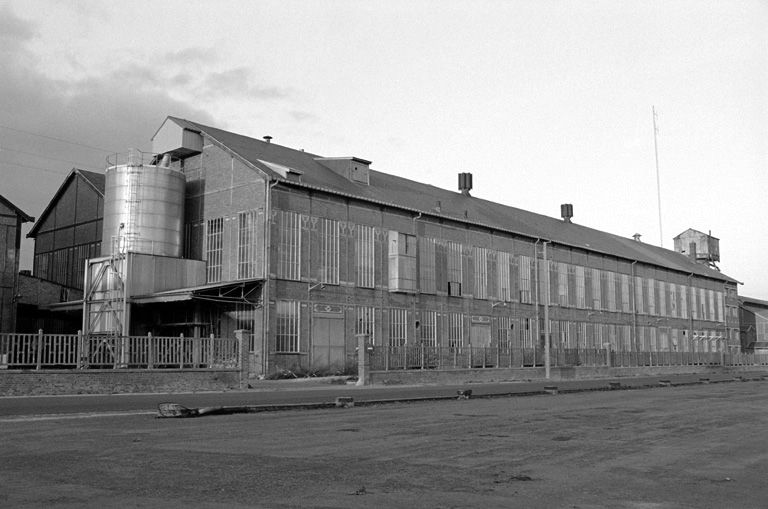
417, 275
266, 266
536, 287
634, 308
547, 328
690, 310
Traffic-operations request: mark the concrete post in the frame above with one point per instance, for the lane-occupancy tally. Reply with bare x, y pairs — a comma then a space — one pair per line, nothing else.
39, 350
607, 354
242, 349
363, 360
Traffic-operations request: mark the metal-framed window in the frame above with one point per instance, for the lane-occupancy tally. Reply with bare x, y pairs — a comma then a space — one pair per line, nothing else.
595, 286
454, 269
650, 288
402, 262
246, 244
562, 284
289, 245
662, 307
427, 272
428, 328
329, 251
683, 290
639, 300
525, 279
505, 287
581, 299
365, 322
398, 327
214, 249
366, 256
504, 332
481, 272
287, 333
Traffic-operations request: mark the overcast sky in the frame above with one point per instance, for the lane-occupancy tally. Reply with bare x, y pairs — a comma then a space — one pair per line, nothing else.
545, 102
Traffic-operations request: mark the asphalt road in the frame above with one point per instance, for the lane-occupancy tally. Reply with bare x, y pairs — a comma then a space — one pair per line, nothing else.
316, 391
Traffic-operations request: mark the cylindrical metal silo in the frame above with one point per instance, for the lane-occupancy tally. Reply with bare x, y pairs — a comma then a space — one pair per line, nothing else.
143, 210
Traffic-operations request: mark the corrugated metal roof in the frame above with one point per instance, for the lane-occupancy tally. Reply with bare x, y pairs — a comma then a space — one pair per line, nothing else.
419, 197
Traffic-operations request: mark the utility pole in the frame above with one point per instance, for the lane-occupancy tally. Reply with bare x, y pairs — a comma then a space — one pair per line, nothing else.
658, 180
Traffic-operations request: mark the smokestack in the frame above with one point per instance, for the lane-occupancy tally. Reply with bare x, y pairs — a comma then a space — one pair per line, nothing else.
465, 183
566, 212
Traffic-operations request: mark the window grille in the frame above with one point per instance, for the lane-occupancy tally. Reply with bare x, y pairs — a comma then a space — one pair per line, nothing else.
366, 323
287, 326
289, 247
365, 256
580, 293
428, 328
398, 327
504, 332
402, 262
455, 330
662, 308
214, 250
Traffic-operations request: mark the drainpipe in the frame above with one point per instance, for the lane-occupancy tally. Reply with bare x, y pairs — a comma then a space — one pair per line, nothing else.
690, 309
634, 308
417, 275
265, 291
536, 287
547, 329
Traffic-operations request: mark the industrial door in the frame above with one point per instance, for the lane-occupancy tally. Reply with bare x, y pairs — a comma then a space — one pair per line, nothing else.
328, 344
480, 331
480, 339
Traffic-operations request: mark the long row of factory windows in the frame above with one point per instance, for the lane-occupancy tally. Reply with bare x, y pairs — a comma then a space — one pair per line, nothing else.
451, 268
434, 329
65, 266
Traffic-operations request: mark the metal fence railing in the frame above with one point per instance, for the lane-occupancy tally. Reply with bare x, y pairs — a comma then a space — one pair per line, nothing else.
388, 358
79, 351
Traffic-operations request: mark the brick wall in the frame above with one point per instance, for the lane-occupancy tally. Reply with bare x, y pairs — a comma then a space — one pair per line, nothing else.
56, 382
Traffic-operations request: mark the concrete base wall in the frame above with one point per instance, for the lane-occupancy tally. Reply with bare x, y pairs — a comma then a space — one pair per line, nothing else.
55, 382
460, 376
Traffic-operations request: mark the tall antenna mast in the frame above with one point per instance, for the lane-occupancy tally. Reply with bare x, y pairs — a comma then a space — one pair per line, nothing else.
658, 180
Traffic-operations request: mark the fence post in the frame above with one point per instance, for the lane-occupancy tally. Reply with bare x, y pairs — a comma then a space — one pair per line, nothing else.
80, 349
363, 360
422, 355
181, 351
39, 353
195, 351
242, 354
150, 351
607, 354
470, 356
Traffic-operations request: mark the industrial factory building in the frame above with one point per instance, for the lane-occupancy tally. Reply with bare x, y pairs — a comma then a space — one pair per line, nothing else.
215, 232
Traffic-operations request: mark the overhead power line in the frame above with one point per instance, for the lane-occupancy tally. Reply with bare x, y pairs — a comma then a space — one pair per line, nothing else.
59, 139
10, 163
4, 149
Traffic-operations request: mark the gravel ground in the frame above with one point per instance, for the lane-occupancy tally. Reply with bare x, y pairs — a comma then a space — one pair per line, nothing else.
674, 447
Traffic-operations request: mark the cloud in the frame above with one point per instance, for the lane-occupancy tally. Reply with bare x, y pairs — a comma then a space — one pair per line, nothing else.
14, 31
302, 116
236, 84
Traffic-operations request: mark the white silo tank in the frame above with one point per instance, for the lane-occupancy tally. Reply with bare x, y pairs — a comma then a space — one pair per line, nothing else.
143, 209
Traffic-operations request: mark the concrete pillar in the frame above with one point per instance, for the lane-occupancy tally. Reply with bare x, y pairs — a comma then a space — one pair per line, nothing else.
363, 360
607, 354
243, 338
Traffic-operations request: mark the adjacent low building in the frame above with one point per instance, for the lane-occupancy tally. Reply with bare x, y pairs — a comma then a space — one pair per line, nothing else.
11, 220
